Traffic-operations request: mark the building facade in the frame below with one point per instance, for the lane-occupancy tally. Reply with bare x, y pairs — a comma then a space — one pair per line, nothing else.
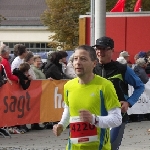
23, 24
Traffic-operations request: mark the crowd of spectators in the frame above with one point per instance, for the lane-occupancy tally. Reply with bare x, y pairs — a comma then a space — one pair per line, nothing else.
24, 66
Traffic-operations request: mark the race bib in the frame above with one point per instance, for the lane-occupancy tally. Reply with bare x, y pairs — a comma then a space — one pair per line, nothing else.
82, 132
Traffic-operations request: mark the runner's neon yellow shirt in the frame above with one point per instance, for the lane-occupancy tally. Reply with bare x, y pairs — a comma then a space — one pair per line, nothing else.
98, 97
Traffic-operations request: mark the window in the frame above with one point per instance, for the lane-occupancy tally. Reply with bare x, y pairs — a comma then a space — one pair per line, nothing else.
27, 45
11, 45
32, 45
38, 45
42, 45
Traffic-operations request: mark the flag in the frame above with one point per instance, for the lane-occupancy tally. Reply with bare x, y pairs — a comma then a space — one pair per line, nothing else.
137, 7
119, 7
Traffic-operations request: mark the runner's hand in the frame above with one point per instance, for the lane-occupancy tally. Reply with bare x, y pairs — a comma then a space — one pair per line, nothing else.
86, 116
124, 106
57, 129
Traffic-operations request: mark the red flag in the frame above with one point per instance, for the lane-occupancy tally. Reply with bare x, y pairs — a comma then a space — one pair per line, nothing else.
119, 7
137, 7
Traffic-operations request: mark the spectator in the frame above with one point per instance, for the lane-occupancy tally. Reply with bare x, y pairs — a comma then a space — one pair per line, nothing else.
23, 74
22, 52
121, 60
4, 52
120, 75
63, 61
15, 52
125, 55
53, 68
142, 54
30, 59
147, 69
139, 69
37, 62
70, 72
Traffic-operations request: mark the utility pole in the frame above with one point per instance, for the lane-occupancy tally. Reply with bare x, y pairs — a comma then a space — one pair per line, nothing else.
92, 42
100, 18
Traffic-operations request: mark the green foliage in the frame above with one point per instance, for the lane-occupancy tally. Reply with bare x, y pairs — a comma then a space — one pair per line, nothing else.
62, 18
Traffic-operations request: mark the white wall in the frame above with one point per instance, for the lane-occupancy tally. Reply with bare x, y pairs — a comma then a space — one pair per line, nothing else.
24, 34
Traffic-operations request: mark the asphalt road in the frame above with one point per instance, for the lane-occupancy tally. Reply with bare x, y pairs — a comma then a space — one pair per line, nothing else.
136, 137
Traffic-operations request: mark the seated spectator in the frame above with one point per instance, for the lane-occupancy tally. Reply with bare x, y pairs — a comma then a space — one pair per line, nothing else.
139, 69
23, 74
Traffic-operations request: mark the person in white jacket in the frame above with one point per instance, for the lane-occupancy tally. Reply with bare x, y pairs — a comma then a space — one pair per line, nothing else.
70, 72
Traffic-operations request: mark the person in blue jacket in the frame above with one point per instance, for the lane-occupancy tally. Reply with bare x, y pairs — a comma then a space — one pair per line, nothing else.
120, 75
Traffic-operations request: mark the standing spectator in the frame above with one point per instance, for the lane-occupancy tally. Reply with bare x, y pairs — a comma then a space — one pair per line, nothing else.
30, 60
125, 55
4, 52
23, 74
15, 52
139, 69
147, 69
121, 60
142, 54
120, 75
53, 68
70, 72
22, 52
37, 62
63, 61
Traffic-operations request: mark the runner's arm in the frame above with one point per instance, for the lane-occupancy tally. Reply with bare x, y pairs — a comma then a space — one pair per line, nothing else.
65, 117
113, 119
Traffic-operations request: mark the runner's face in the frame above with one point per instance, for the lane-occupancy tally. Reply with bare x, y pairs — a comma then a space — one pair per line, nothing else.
82, 63
104, 54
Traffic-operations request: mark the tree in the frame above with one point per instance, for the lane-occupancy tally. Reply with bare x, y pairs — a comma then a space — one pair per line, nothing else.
62, 18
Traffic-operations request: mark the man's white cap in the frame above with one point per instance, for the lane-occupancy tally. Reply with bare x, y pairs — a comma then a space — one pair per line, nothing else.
124, 54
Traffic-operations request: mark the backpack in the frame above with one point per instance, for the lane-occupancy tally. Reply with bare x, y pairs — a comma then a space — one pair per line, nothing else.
3, 78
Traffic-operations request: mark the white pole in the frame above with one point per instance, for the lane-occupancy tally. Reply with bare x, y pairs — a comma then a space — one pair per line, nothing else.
92, 22
100, 18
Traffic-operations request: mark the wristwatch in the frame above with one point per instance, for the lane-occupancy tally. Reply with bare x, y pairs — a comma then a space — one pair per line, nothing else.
96, 120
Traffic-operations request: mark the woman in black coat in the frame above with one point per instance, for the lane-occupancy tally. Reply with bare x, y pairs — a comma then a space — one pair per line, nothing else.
53, 68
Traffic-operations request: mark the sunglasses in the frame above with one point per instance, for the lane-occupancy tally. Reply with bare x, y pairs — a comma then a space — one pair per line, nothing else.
103, 48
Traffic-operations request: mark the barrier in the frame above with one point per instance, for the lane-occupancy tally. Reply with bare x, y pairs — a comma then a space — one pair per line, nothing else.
143, 104
41, 102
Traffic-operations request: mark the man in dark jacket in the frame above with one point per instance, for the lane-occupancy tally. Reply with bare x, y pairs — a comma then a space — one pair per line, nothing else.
120, 75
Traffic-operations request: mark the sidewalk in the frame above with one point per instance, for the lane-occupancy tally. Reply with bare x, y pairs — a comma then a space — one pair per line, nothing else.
136, 137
